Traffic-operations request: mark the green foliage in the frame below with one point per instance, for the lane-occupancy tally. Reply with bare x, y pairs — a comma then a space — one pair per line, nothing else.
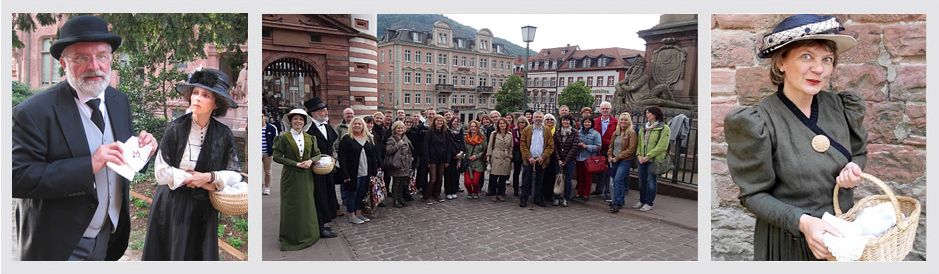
241, 224
20, 93
221, 230
152, 55
139, 203
136, 244
576, 96
511, 97
235, 242
141, 214
26, 22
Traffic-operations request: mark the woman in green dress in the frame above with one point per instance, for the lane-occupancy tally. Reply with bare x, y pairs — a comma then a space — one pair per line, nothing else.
296, 150
788, 153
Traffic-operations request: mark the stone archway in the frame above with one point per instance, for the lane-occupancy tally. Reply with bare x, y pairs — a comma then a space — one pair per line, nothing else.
288, 82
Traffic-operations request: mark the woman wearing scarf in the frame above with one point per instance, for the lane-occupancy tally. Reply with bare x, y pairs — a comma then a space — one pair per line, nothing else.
566, 139
653, 146
590, 144
451, 176
475, 148
399, 151
197, 156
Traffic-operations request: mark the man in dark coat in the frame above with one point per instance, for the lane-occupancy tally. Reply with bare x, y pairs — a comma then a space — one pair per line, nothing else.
71, 205
325, 190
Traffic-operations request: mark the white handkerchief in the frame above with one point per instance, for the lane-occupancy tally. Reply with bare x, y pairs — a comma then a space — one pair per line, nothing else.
135, 157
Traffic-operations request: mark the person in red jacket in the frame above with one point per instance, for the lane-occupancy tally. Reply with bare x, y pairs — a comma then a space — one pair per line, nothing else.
605, 124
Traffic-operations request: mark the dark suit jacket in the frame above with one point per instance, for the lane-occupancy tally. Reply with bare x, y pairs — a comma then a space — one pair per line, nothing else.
324, 143
52, 173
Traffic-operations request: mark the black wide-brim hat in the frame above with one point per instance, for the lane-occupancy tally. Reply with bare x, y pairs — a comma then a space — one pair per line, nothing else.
314, 104
84, 28
806, 27
210, 79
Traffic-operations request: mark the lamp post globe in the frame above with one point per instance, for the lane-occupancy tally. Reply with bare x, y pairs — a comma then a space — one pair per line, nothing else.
528, 35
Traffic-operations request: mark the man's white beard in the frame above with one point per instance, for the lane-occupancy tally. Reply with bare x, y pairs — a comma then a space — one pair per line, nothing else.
321, 120
88, 88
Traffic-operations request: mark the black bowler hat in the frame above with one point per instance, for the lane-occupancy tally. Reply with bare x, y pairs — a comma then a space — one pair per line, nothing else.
84, 28
314, 104
805, 27
209, 79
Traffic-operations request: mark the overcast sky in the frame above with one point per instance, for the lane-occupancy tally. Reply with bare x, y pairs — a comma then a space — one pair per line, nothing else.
589, 31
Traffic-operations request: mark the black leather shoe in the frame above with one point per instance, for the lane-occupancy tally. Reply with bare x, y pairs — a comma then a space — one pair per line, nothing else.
523, 204
327, 234
541, 204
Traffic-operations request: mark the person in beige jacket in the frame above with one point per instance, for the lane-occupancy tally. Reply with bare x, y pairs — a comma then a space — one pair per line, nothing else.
621, 154
499, 154
536, 144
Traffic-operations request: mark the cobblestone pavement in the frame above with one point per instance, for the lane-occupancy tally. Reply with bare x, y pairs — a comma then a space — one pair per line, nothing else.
466, 229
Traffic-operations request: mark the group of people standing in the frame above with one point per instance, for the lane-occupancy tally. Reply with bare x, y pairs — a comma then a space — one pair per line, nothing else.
428, 153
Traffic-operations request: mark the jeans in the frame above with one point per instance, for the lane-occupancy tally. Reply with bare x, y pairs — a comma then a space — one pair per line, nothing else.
568, 170
646, 183
531, 182
620, 171
355, 193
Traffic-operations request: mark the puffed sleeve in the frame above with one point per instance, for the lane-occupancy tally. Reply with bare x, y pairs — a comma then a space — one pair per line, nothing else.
854, 110
750, 160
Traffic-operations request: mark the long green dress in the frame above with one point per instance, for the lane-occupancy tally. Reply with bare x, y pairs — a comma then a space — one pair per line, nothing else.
781, 177
298, 223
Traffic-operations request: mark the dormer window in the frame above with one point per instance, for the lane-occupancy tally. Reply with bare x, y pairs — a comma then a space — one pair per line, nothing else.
587, 62
572, 64
564, 51
416, 37
602, 62
460, 43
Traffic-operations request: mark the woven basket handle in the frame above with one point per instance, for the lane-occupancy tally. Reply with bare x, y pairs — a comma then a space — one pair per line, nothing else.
884, 188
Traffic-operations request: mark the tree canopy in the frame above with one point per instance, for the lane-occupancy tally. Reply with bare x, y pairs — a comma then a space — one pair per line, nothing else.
511, 97
576, 96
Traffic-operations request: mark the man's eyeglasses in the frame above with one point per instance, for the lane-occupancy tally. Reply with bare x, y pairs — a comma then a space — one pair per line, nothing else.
81, 59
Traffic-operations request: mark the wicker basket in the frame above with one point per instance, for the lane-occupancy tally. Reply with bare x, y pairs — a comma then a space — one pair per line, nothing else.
323, 170
229, 203
897, 242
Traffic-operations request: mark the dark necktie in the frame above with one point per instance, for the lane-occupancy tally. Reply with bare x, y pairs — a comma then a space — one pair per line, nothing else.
96, 113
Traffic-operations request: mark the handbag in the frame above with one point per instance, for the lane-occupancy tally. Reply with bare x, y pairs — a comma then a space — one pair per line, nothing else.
663, 166
559, 184
596, 164
412, 182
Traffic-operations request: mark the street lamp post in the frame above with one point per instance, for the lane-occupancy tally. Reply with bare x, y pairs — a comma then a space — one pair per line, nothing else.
528, 35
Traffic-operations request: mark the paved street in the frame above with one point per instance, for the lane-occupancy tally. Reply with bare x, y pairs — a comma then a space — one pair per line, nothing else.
465, 229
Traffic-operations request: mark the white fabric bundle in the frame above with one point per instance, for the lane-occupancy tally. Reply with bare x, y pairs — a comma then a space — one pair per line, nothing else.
324, 161
870, 224
240, 187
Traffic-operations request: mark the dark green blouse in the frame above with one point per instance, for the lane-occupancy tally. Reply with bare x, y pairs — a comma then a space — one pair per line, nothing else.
781, 177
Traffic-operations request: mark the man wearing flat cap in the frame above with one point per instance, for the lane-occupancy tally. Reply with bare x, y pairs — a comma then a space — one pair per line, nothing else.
71, 205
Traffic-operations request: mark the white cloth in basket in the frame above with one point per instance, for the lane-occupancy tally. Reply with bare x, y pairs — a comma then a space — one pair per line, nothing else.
871, 223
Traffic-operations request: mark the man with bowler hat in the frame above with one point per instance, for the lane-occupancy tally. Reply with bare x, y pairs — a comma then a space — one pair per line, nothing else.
71, 205
324, 185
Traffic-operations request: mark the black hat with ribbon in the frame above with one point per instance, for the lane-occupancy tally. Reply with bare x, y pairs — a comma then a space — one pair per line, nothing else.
805, 27
209, 79
84, 28
314, 104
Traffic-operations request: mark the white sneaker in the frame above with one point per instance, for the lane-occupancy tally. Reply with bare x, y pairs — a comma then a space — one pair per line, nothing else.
267, 191
355, 220
363, 218
638, 205
645, 208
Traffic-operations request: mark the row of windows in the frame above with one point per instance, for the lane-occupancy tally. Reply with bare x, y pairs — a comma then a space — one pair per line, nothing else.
572, 63
545, 82
442, 59
415, 77
463, 99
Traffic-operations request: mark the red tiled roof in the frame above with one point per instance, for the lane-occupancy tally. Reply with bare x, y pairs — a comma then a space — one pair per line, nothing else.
617, 54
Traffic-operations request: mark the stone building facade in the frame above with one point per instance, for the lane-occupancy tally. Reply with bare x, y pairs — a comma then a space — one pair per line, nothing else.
888, 68
542, 82
421, 70
333, 56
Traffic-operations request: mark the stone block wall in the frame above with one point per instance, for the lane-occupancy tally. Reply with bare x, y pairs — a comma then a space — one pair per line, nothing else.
888, 68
